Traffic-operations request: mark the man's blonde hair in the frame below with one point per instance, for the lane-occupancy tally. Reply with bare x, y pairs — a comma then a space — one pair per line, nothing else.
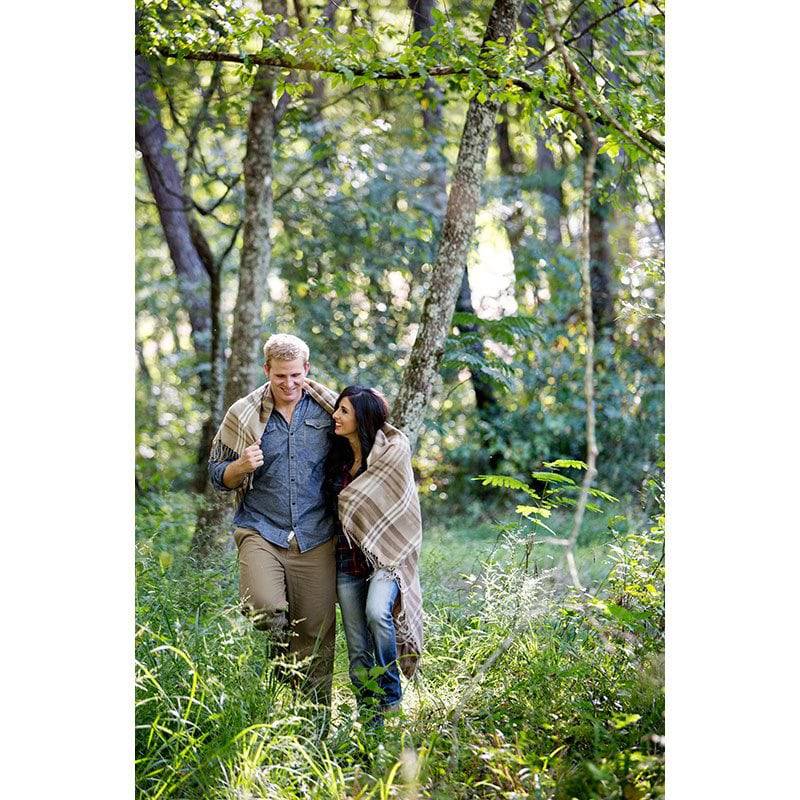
285, 347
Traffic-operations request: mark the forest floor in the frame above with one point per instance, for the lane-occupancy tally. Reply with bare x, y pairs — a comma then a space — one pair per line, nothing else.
564, 713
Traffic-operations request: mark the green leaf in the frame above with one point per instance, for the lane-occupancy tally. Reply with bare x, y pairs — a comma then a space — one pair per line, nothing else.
623, 615
620, 721
566, 463
526, 511
610, 147
603, 495
501, 481
542, 525
552, 477
165, 559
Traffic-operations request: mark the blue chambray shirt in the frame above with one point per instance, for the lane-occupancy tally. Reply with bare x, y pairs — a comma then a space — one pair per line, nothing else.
287, 493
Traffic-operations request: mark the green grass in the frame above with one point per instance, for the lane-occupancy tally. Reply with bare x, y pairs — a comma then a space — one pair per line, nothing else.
457, 548
570, 709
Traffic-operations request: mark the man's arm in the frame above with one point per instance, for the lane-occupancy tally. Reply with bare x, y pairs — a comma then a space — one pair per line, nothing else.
236, 471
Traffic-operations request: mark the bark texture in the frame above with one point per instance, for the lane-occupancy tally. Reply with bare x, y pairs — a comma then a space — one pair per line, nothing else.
244, 365
166, 184
454, 243
601, 260
599, 215
422, 15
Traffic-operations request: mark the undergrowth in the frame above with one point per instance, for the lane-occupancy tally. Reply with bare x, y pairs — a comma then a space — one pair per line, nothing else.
573, 706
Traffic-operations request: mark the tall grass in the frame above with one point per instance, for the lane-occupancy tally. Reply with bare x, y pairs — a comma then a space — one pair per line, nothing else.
572, 707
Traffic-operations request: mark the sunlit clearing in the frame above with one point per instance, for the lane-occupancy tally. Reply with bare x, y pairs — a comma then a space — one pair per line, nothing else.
491, 270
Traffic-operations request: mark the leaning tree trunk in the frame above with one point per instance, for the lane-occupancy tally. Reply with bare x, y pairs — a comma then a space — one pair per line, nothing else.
456, 238
422, 14
246, 338
243, 373
166, 185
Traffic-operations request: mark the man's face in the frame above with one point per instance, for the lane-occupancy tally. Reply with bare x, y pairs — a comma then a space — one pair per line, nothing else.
286, 378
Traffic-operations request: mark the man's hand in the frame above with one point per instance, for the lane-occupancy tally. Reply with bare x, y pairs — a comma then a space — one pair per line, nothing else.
249, 461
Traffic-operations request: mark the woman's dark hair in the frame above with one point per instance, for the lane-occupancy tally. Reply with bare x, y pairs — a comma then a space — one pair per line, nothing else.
371, 411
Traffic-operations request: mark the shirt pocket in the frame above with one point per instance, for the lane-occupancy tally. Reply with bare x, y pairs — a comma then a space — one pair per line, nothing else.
316, 438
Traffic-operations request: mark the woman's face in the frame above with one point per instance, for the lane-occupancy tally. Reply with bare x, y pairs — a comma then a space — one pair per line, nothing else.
344, 419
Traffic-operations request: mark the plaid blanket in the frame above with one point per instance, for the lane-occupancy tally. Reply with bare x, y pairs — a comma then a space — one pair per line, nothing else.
380, 511
245, 420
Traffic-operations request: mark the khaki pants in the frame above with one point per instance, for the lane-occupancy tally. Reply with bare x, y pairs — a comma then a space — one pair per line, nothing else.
291, 595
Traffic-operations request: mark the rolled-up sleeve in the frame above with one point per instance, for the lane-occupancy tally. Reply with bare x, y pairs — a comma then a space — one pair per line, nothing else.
216, 469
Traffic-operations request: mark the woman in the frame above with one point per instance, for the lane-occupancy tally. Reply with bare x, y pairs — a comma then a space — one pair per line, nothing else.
369, 475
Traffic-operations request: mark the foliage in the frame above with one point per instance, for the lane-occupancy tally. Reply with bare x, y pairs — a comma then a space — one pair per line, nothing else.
355, 236
574, 708
367, 53
550, 489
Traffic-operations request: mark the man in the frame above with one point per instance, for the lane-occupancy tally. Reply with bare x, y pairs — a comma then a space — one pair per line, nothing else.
271, 449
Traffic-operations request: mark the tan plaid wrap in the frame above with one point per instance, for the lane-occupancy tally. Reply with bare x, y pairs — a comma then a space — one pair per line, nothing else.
245, 420
380, 511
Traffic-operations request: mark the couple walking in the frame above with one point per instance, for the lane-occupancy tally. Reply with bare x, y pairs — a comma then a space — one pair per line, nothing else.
326, 507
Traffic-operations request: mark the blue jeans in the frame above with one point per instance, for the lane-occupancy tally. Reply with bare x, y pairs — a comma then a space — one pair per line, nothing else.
366, 605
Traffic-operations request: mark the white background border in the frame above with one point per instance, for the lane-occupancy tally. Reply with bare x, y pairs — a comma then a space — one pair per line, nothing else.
67, 400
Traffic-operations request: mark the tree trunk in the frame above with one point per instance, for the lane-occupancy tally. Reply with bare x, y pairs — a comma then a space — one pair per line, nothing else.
454, 243
525, 274
244, 363
244, 366
514, 222
422, 14
552, 193
167, 187
586, 292
326, 20
217, 365
601, 262
599, 213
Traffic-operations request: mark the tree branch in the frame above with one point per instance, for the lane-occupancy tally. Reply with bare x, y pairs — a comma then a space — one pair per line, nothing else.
440, 71
303, 173
591, 26
231, 244
217, 203
200, 117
